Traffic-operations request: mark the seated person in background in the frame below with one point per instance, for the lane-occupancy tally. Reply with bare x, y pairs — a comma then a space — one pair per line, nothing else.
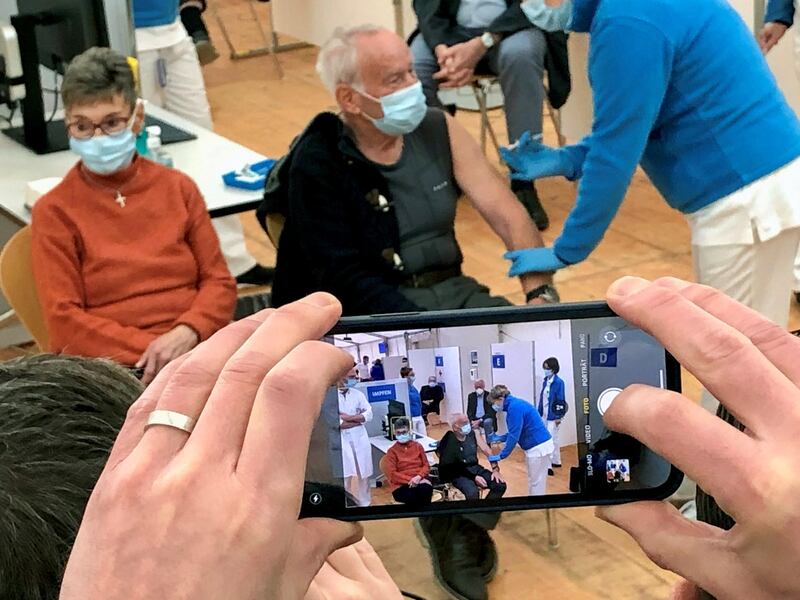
414, 401
479, 409
431, 396
407, 468
458, 462
458, 39
127, 264
369, 195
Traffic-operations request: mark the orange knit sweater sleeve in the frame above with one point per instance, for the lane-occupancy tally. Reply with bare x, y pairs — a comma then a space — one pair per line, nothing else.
214, 304
55, 254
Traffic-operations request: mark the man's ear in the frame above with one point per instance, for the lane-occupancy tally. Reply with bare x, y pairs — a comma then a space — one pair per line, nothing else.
138, 121
348, 99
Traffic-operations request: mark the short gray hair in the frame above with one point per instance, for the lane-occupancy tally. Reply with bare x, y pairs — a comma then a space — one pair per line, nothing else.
338, 58
99, 74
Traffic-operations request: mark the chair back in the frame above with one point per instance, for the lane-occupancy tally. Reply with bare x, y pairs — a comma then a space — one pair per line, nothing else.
19, 287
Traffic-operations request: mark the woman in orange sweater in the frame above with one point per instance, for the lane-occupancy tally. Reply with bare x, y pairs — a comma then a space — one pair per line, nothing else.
126, 261
407, 468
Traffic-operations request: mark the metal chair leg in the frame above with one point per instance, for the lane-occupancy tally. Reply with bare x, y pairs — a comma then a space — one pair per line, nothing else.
552, 528
481, 96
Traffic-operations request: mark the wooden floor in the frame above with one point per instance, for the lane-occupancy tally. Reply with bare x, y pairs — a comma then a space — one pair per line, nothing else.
254, 107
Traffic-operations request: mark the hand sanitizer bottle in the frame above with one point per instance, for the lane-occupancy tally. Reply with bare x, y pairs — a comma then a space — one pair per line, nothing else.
155, 151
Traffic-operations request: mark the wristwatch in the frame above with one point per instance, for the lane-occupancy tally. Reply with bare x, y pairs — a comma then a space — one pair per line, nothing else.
546, 292
488, 40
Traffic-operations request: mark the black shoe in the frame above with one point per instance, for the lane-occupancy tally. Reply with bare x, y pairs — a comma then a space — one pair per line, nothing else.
556, 466
797, 297
455, 546
206, 51
258, 275
550, 472
530, 200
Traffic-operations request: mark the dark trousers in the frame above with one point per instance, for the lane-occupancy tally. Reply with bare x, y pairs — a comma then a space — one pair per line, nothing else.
418, 496
433, 407
470, 489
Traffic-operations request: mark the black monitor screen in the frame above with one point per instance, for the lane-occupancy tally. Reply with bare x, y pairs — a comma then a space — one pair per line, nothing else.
80, 25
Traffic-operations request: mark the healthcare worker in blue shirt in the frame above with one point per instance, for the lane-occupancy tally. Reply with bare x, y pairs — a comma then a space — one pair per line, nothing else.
553, 406
414, 401
780, 17
681, 87
526, 428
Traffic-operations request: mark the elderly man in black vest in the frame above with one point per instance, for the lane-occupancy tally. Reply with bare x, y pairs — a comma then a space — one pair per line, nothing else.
369, 195
458, 39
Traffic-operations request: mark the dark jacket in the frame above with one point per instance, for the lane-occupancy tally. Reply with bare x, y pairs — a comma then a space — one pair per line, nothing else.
336, 238
453, 462
437, 24
472, 408
377, 373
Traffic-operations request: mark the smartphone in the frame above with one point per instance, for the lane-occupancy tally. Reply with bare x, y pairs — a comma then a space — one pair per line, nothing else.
554, 449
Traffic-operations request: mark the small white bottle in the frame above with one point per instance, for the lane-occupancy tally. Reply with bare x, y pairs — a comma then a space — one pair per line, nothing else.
155, 151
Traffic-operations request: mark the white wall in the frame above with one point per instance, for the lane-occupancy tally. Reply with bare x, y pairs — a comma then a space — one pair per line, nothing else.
450, 375
471, 339
422, 361
314, 20
552, 338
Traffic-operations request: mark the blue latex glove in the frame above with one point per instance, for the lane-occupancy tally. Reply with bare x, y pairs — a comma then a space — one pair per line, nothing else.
533, 260
529, 159
494, 458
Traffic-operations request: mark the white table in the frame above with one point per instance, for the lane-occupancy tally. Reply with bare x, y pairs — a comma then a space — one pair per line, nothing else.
381, 443
204, 160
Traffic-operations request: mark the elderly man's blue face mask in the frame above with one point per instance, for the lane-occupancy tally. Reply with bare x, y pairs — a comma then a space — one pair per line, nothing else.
548, 18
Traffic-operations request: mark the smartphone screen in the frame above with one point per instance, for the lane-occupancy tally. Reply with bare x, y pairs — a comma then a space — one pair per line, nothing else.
484, 410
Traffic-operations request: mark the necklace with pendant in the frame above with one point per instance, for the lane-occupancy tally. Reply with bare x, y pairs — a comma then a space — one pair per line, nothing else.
119, 197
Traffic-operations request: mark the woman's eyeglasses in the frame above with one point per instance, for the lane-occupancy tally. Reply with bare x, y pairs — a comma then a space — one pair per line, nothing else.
83, 129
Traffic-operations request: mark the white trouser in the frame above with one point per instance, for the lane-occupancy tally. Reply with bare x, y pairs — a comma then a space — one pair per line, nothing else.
359, 488
758, 275
185, 95
554, 427
762, 278
537, 461
418, 425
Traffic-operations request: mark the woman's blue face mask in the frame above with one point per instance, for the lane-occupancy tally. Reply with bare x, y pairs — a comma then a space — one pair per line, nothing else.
107, 154
548, 18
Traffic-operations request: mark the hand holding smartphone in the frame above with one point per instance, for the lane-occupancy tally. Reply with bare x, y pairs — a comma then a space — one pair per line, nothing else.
521, 424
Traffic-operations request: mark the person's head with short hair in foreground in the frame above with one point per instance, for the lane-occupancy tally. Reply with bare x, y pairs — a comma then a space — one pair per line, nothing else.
59, 416
215, 478
479, 385
126, 262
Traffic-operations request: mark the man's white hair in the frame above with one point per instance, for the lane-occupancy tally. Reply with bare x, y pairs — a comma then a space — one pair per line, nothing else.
338, 57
